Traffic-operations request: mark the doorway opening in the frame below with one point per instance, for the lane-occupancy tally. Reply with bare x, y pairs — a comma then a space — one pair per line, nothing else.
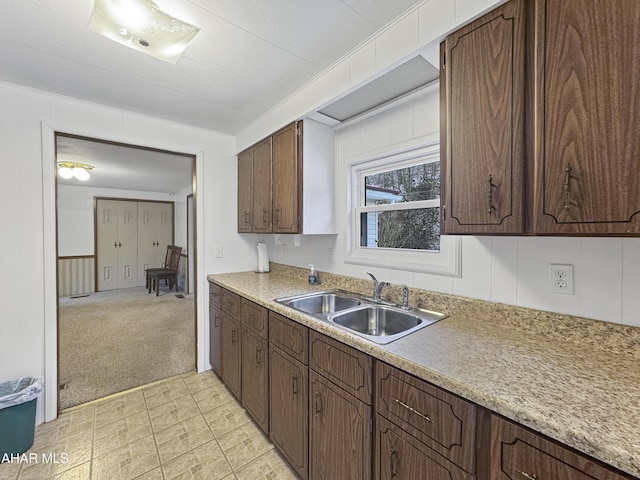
115, 336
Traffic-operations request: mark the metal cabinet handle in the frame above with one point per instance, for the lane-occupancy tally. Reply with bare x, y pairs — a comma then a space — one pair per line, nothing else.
491, 187
277, 216
317, 402
115, 244
258, 355
567, 188
294, 385
264, 216
413, 410
527, 476
247, 217
234, 336
216, 321
393, 462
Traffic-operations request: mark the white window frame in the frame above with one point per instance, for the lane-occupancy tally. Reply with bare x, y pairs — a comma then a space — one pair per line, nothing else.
445, 262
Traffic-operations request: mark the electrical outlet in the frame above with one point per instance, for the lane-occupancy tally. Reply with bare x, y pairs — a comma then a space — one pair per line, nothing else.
561, 278
218, 251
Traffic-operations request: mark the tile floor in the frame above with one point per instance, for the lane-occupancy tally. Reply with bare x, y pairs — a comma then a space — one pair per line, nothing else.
185, 427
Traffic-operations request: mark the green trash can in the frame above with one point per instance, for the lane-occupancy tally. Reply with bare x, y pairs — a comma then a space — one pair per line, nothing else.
18, 400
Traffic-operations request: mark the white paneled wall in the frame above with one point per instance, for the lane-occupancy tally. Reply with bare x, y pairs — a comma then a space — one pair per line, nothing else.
27, 327
420, 28
512, 270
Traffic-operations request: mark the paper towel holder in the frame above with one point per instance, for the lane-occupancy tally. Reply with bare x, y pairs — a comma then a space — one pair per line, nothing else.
263, 258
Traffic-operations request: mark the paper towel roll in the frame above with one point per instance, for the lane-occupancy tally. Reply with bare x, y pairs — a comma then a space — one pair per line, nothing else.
263, 258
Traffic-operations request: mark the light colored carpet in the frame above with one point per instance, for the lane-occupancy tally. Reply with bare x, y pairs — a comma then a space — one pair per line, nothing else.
120, 339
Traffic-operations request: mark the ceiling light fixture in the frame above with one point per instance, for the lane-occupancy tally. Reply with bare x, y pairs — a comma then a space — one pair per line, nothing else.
69, 170
141, 25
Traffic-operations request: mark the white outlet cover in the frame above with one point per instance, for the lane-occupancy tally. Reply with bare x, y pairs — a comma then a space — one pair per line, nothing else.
561, 278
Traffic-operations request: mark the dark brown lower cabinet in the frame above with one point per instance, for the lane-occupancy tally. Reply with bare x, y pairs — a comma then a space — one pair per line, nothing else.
230, 338
339, 433
288, 409
214, 338
255, 371
518, 453
399, 456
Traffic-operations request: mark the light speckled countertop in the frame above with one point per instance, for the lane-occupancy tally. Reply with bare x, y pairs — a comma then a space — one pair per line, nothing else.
575, 380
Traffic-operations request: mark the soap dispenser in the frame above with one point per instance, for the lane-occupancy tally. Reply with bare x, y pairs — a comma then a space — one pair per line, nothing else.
313, 275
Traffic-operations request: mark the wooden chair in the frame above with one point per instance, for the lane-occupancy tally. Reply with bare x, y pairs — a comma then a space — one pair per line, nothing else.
169, 273
167, 262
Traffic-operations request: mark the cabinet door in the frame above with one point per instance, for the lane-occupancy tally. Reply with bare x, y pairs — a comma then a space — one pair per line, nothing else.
230, 339
254, 377
588, 120
288, 407
214, 338
245, 191
261, 210
482, 71
287, 180
399, 456
522, 454
339, 433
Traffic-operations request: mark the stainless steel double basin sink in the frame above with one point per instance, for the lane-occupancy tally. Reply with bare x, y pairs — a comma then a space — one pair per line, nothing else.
376, 321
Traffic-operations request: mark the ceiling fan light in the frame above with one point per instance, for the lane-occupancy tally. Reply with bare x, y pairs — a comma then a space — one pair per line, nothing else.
81, 174
65, 172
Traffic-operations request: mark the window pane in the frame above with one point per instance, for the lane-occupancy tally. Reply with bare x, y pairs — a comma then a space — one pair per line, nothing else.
417, 229
419, 182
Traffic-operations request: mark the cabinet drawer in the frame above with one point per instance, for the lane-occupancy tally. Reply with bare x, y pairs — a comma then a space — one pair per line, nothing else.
522, 454
289, 336
344, 366
214, 294
230, 302
399, 456
255, 317
437, 418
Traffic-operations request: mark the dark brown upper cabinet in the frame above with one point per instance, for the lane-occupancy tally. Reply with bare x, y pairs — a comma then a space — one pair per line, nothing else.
286, 184
588, 117
540, 115
483, 99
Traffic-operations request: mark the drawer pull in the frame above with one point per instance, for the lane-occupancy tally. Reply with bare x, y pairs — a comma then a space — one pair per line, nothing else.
526, 475
393, 457
317, 402
413, 410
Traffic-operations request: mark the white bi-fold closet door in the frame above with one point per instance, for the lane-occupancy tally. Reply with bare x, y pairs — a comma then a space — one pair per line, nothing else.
131, 236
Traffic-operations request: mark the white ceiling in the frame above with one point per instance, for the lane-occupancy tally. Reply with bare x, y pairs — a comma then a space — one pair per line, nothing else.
248, 56
126, 167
